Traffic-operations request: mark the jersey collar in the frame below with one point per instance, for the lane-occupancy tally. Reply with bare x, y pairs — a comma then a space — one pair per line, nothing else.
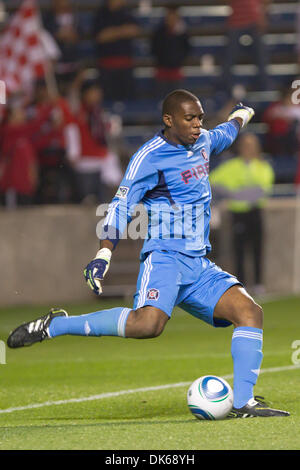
179, 146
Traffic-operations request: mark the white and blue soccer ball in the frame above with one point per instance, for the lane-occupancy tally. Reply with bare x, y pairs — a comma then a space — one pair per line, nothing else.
210, 397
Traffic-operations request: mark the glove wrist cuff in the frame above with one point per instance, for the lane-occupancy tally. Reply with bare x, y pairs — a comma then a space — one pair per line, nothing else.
104, 253
244, 114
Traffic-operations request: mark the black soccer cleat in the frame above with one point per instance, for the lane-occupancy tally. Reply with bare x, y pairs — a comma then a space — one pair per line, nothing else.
257, 408
34, 331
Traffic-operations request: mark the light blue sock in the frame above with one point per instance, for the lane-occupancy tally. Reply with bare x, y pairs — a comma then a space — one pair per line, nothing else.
103, 323
246, 351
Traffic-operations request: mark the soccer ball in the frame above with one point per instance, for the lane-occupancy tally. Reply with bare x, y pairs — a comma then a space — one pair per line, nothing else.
210, 397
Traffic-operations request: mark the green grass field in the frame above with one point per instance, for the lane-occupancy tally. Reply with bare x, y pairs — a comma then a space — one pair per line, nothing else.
69, 368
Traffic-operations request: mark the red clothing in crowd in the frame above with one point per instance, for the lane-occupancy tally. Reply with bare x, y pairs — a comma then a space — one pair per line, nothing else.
18, 168
50, 136
282, 136
88, 147
277, 123
79, 142
18, 157
246, 12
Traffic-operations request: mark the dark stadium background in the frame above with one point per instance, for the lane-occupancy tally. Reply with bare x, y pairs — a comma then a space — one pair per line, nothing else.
53, 233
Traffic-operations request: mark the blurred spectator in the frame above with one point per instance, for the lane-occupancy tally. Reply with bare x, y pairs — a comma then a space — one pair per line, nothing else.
282, 136
115, 28
246, 25
170, 47
282, 119
18, 173
245, 181
62, 23
57, 182
18, 157
88, 150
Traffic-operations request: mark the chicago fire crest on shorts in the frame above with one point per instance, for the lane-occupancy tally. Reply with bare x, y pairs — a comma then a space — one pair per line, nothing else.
152, 294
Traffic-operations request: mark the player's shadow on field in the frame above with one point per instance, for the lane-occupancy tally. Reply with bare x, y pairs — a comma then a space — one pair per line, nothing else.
125, 421
115, 423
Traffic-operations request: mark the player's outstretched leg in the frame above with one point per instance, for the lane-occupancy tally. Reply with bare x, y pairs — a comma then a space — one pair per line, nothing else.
34, 331
145, 322
246, 316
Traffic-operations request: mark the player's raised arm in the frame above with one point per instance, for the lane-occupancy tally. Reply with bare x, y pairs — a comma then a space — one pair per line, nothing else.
140, 177
223, 135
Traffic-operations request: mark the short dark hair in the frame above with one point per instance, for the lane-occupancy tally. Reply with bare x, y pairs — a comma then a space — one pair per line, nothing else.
175, 98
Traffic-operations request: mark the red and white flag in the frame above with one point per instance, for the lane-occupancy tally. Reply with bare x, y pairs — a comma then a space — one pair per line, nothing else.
22, 55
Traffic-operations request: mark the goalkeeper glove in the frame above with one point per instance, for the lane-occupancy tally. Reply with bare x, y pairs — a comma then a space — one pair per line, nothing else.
242, 112
96, 270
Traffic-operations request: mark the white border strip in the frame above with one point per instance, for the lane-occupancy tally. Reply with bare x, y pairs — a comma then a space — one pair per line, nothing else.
128, 392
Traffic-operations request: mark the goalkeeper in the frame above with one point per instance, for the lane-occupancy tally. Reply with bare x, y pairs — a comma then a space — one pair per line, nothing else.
169, 175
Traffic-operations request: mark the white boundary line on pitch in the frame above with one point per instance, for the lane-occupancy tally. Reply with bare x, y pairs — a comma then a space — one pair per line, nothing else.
128, 392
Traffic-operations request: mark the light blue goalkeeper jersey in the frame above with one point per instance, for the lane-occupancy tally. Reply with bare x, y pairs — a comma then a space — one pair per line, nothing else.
171, 181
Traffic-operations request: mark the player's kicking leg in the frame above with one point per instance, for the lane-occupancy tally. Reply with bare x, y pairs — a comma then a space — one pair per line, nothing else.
146, 319
239, 308
144, 322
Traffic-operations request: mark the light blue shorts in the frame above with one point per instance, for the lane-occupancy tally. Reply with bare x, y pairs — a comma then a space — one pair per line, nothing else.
195, 284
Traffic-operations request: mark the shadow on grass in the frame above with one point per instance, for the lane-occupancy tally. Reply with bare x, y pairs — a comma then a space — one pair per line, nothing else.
115, 423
